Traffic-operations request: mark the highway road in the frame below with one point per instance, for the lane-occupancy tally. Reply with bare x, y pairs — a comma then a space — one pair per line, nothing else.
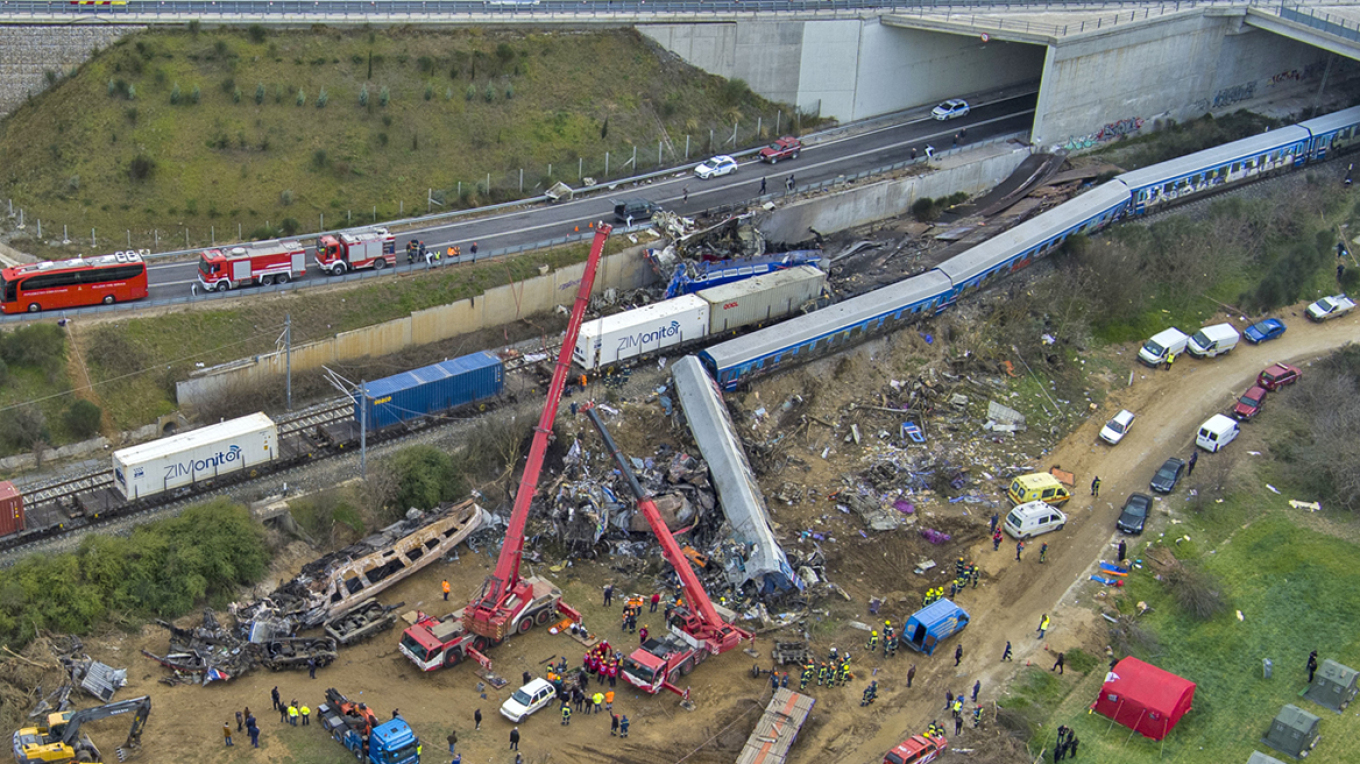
824, 161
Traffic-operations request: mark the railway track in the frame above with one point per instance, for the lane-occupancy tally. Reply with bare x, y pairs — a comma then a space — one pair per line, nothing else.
59, 506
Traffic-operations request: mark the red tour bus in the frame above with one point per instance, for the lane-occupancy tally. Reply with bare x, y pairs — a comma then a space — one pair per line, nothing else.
59, 284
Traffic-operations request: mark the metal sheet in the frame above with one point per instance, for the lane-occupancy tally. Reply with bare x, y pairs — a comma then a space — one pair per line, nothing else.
738, 492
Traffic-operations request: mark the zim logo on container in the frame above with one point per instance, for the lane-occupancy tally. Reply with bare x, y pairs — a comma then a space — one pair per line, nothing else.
193, 466
380, 401
642, 339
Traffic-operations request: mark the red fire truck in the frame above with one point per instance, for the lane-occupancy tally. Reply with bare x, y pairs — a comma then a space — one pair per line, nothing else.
262, 262
352, 251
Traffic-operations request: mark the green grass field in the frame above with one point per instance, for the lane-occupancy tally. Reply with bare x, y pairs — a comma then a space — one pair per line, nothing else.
172, 131
1297, 589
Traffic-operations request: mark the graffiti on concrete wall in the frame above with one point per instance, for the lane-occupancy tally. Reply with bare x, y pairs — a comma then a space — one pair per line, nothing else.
1307, 72
1119, 129
1105, 134
1234, 94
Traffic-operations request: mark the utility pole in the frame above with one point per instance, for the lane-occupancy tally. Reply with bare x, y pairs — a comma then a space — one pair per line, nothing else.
288, 355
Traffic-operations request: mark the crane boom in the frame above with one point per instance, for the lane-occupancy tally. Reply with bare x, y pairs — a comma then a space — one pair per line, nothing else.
494, 607
711, 624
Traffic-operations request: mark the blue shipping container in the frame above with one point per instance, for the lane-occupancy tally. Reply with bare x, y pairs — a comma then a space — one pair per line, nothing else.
432, 389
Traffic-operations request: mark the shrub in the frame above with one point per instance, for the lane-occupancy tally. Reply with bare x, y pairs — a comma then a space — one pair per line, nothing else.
141, 167
195, 27
363, 96
4, 372
1195, 590
384, 96
382, 139
470, 93
195, 95
319, 158
490, 93
259, 94
256, 33
286, 197
132, 92
505, 53
175, 94
236, 95
429, 91
509, 91
40, 346
301, 97
113, 87
82, 418
220, 47
424, 476
289, 226
52, 76
228, 85
925, 210
322, 99
23, 427
425, 64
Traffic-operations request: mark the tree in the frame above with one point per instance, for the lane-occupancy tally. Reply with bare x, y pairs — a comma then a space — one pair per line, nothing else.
83, 418
24, 426
424, 477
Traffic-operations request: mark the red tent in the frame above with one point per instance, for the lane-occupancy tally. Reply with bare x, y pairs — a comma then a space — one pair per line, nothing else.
1144, 698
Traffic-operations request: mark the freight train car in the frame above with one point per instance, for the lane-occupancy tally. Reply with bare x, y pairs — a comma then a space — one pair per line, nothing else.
761, 299
432, 389
11, 509
208, 452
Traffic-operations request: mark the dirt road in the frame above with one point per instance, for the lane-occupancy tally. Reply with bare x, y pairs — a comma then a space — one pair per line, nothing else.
1170, 406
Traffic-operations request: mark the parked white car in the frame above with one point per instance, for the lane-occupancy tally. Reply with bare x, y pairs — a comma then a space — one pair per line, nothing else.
1330, 307
951, 109
718, 165
1115, 429
527, 700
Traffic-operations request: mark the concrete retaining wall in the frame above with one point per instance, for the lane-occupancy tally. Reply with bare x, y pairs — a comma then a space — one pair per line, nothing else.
498, 306
970, 172
27, 52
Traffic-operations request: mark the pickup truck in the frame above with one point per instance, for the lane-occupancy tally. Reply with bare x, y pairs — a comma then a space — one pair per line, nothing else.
1330, 307
787, 147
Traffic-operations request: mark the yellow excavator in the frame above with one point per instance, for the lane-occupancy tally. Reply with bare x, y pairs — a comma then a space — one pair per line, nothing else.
62, 741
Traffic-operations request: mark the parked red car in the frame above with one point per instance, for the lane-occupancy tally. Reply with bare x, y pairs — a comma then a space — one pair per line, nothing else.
787, 147
1249, 405
1278, 376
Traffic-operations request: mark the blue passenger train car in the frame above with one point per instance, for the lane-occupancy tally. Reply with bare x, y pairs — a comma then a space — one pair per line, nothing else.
832, 327
1211, 170
430, 390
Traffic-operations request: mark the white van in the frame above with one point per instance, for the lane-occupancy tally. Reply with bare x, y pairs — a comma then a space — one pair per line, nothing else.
1213, 340
1163, 343
1216, 433
1034, 518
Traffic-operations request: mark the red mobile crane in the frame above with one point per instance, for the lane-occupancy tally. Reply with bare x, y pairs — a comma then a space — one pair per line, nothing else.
509, 603
697, 630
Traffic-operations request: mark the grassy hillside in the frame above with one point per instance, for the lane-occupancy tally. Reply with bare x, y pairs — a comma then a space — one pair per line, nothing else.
169, 130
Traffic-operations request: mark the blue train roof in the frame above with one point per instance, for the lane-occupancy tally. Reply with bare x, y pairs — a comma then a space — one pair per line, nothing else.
1181, 167
1033, 232
1330, 122
443, 370
830, 319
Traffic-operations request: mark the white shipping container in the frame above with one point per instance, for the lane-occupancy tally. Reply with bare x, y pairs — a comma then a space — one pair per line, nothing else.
201, 454
763, 298
632, 333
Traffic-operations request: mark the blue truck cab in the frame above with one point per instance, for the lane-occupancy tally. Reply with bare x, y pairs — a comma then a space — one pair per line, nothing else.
353, 726
394, 742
